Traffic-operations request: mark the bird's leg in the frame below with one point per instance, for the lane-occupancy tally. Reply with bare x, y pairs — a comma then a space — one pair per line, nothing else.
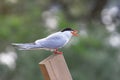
57, 52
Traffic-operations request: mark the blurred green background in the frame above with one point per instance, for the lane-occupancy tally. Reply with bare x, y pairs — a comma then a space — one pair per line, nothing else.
95, 55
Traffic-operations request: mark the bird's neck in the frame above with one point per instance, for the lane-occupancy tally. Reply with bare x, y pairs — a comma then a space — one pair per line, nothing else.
67, 34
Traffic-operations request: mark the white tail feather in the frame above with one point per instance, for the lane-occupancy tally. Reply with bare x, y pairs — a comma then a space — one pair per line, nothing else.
26, 46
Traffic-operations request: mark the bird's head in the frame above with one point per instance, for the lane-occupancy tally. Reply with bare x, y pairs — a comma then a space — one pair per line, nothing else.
73, 32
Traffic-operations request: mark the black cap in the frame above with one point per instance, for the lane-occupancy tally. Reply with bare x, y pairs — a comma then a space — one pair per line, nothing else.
67, 29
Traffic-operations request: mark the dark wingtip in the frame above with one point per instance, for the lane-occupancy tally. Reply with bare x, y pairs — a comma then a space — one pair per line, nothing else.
67, 29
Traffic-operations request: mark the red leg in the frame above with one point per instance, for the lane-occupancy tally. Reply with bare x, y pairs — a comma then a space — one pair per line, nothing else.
57, 52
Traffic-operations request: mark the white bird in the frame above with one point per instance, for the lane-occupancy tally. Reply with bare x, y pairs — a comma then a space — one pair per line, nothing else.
52, 42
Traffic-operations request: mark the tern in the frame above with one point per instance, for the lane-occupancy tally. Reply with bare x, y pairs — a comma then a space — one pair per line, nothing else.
52, 42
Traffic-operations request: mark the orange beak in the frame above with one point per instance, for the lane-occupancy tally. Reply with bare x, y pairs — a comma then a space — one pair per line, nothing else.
75, 33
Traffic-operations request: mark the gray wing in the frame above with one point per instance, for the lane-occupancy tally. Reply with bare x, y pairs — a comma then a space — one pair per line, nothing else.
52, 41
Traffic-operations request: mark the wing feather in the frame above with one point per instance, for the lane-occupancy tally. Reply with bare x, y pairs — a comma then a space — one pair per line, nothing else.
53, 41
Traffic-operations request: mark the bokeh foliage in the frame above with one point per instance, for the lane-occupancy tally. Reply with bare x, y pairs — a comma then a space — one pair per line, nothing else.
90, 57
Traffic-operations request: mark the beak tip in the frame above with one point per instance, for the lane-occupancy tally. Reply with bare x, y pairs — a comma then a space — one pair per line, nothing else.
75, 33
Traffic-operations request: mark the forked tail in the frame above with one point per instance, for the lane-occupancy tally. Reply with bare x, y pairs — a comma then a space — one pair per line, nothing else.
26, 46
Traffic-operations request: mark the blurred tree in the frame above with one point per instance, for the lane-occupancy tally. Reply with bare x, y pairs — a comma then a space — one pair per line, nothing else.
90, 56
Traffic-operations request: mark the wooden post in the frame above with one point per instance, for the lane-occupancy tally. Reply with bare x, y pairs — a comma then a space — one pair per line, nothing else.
55, 68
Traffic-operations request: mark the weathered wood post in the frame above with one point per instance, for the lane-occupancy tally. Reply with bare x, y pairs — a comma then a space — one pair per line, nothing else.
55, 68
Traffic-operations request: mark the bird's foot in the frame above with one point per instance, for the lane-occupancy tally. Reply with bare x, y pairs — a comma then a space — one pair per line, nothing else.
58, 52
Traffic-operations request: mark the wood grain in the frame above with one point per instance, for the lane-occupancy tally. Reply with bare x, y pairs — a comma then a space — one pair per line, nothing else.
55, 68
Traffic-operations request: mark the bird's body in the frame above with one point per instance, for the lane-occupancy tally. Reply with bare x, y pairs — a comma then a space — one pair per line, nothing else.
52, 42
